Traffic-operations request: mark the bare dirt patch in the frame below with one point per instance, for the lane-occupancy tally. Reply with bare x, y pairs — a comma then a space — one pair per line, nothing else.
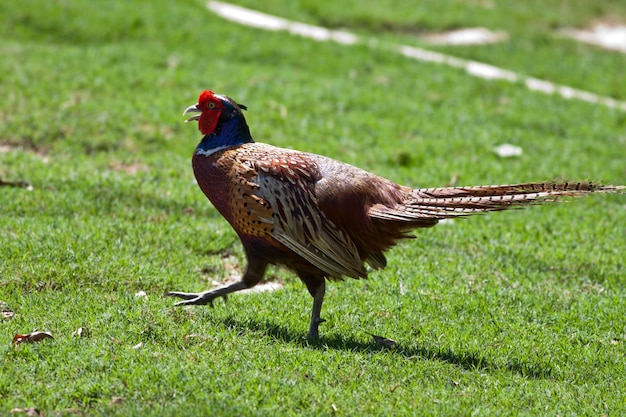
605, 34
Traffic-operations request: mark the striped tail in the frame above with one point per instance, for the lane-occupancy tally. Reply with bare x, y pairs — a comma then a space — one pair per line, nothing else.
427, 205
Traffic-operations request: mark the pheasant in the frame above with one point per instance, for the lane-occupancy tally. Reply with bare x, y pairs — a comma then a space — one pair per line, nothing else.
319, 217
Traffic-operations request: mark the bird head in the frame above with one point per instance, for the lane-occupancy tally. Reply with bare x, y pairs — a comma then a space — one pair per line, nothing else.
213, 108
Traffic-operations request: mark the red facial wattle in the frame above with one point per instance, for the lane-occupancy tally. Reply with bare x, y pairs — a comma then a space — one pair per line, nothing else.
211, 107
208, 121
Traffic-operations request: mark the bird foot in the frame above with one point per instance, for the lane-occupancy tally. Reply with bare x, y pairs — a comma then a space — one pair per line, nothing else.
313, 333
195, 298
206, 297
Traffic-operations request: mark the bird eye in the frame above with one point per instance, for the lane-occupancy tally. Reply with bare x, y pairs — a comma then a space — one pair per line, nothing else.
211, 105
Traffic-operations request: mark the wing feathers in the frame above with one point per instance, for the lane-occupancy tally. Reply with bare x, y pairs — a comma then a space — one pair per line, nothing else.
300, 225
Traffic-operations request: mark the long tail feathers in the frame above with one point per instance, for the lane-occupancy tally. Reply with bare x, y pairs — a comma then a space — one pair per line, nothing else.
425, 206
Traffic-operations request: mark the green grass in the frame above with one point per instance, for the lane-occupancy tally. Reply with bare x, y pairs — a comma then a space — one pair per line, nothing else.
516, 313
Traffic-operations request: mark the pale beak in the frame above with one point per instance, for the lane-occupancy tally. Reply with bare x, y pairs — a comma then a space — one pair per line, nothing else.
192, 109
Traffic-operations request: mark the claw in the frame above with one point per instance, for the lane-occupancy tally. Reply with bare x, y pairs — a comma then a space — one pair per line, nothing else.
183, 295
206, 297
193, 298
184, 303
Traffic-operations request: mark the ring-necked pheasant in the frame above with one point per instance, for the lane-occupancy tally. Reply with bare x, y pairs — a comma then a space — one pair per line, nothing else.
322, 218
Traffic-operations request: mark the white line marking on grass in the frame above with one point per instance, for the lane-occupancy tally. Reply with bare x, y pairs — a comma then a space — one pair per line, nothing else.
475, 68
265, 21
465, 36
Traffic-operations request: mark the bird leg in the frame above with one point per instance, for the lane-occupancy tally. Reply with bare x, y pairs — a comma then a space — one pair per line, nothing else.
318, 299
254, 274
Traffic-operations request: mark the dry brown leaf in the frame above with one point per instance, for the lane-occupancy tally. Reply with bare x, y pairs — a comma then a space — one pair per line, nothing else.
20, 184
81, 332
5, 311
31, 337
383, 341
30, 411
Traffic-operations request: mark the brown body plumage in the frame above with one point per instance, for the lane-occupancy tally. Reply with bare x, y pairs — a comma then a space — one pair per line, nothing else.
319, 217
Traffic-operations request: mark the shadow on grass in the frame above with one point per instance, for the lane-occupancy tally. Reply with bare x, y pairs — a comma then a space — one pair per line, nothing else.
471, 361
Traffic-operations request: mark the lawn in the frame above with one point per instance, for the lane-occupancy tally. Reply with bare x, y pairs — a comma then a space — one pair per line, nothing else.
515, 313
